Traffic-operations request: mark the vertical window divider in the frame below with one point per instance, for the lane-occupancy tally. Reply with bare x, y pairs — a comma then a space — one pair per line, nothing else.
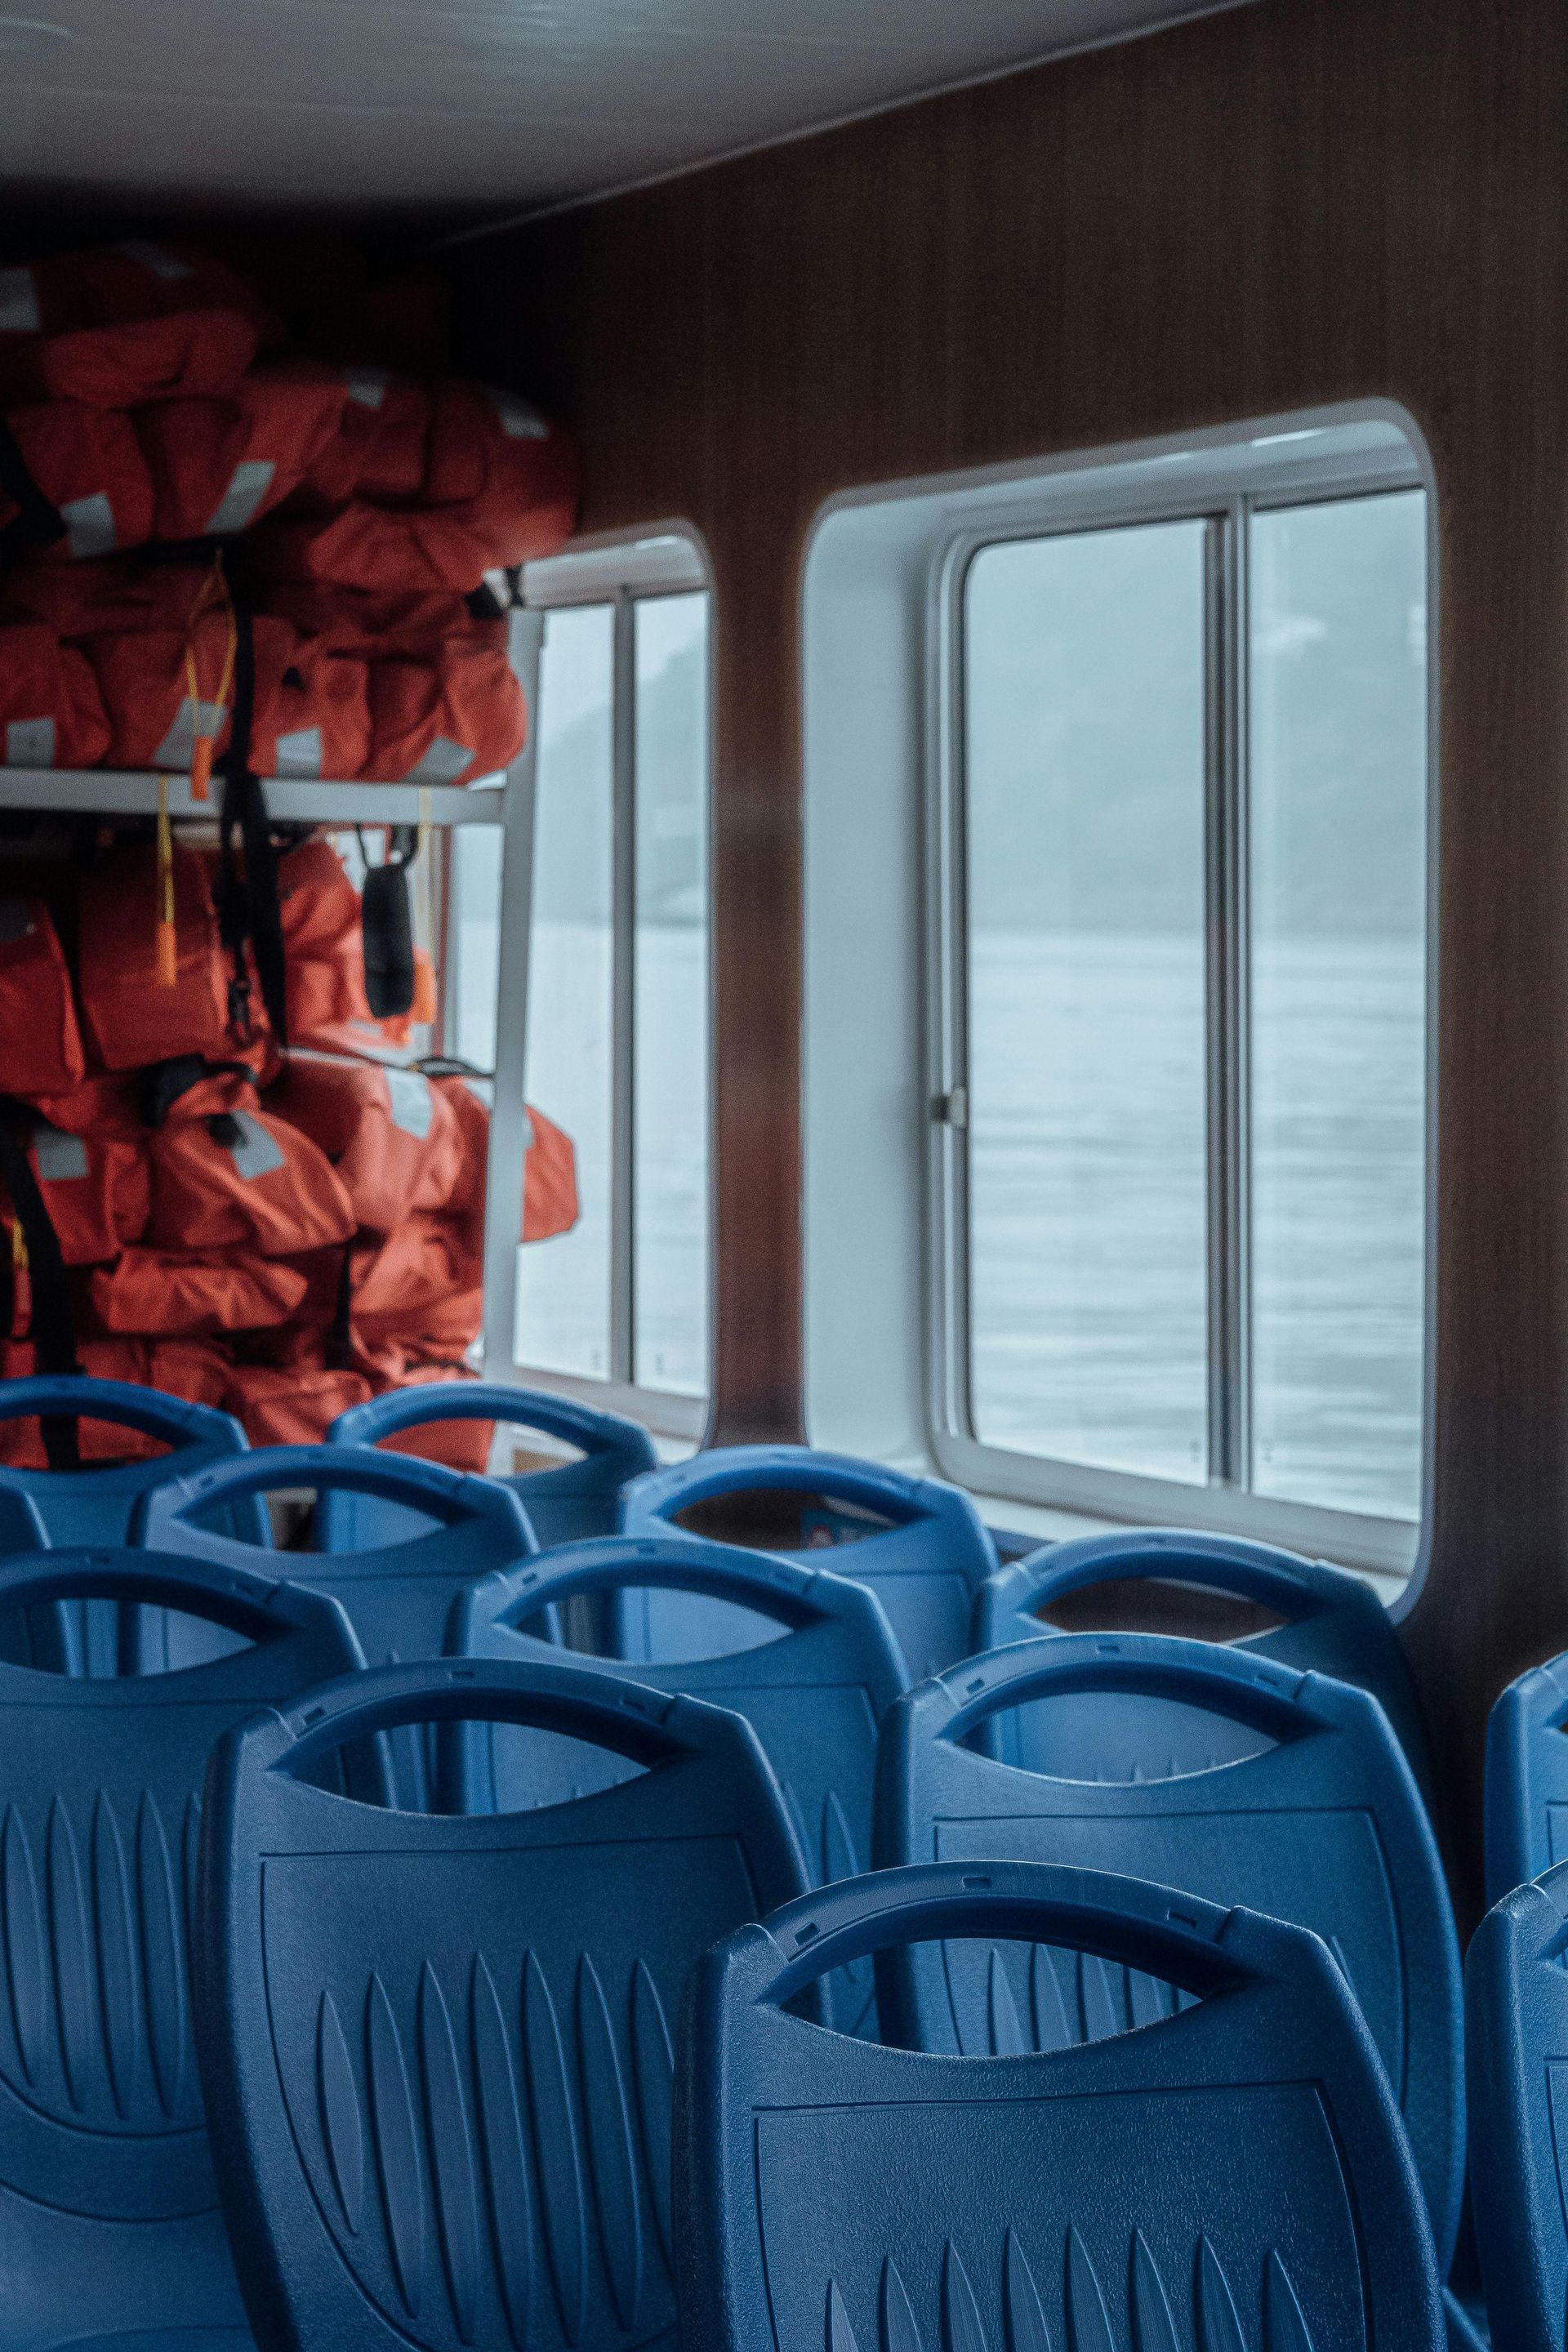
506, 1166
624, 891
1229, 1017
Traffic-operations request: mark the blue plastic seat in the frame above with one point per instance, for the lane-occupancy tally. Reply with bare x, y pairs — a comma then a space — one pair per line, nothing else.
814, 1694
96, 1505
437, 2051
1527, 1779
108, 2214
580, 1498
1234, 2179
1321, 1824
399, 1598
1334, 1624
925, 1568
1516, 2002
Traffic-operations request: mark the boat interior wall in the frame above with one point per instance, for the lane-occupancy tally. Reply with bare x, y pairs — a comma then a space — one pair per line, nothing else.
1301, 204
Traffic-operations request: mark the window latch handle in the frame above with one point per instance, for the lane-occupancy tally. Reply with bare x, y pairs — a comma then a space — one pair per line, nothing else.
950, 1110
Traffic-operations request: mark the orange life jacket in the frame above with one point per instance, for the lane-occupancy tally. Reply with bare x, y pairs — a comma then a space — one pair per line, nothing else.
503, 470
292, 1404
40, 1043
120, 325
146, 681
128, 1018
94, 1187
386, 552
446, 719
549, 1180
218, 464
243, 1180
390, 1134
51, 712
88, 464
150, 1291
429, 1266
201, 1370
550, 1170
377, 450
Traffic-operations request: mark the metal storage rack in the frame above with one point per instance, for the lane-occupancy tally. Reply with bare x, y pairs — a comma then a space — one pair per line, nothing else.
507, 804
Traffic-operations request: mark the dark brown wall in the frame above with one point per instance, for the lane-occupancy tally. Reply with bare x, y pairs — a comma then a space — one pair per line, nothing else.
1303, 201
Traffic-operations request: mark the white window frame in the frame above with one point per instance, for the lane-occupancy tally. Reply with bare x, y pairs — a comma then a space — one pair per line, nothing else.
621, 573
1261, 468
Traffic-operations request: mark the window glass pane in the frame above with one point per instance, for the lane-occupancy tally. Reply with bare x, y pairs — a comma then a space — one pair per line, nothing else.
670, 1249
564, 1285
1339, 897
1085, 788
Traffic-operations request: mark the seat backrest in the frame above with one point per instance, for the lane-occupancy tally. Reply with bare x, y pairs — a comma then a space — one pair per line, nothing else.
1516, 2016
925, 1568
1333, 1623
108, 2209
814, 1692
1527, 1779
1321, 1824
1234, 2177
436, 2052
398, 1598
95, 1506
580, 1498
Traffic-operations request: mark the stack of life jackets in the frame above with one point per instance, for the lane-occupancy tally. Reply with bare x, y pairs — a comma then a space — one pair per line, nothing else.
143, 408
278, 1234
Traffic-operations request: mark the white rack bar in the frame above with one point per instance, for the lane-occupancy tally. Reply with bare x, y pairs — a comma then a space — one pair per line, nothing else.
118, 792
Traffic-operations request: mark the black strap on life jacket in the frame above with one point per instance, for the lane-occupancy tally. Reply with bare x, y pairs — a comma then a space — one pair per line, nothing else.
160, 1084
38, 521
387, 922
338, 1345
248, 909
54, 1342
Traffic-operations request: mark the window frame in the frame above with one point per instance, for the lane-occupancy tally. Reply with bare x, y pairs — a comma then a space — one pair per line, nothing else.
619, 573
1259, 470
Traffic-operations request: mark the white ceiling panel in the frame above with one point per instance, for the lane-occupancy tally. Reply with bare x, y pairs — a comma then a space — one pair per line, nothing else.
475, 105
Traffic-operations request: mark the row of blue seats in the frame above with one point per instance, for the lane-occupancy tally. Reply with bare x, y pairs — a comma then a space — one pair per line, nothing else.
437, 2050
1082, 1711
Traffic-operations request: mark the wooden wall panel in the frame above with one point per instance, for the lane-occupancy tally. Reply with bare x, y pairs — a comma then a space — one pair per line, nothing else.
1303, 201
